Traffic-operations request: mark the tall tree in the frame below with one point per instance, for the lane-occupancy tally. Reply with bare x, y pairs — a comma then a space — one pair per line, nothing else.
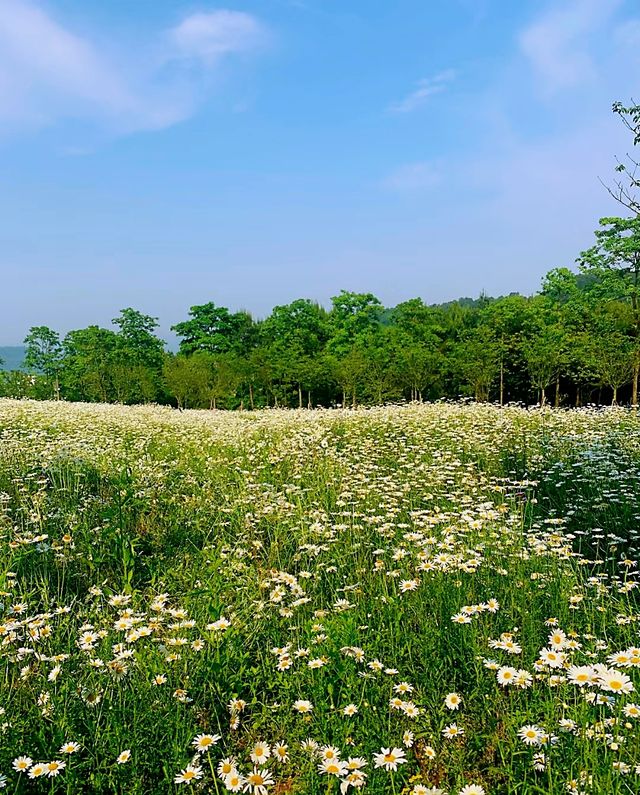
139, 343
89, 356
477, 357
214, 329
186, 379
615, 260
44, 355
354, 318
626, 188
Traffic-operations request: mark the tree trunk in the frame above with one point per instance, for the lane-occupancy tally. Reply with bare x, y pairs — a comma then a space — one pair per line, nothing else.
56, 387
251, 396
556, 401
353, 401
299, 396
419, 396
614, 399
344, 398
578, 396
543, 397
309, 400
634, 393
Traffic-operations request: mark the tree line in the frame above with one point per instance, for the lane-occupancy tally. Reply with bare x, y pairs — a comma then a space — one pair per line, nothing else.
575, 341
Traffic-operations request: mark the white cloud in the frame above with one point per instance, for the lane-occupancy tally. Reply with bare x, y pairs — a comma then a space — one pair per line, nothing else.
414, 176
426, 88
527, 193
49, 73
210, 36
558, 44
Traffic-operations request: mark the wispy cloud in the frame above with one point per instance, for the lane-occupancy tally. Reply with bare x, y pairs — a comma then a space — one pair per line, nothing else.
49, 73
414, 177
558, 43
210, 36
521, 176
426, 88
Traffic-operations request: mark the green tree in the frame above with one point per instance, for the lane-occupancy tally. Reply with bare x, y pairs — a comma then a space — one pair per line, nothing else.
302, 325
44, 354
615, 261
349, 372
89, 358
415, 363
612, 361
215, 329
506, 318
477, 357
354, 317
222, 375
627, 185
186, 379
139, 344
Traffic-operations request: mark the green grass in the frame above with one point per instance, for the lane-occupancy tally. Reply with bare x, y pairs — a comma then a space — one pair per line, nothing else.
143, 527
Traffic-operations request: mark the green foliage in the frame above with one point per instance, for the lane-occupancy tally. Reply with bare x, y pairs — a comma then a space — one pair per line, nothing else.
44, 354
214, 329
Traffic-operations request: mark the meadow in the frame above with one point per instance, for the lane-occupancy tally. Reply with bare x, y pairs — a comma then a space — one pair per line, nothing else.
423, 599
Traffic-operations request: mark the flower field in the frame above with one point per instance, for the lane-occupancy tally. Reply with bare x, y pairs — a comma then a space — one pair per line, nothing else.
423, 599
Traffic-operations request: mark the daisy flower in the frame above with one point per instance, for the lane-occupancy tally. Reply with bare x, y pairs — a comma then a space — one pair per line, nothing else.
258, 781
531, 735
226, 767
234, 782
37, 770
189, 774
261, 752
615, 682
203, 742
506, 675
54, 768
21, 764
452, 701
390, 758
69, 748
350, 710
332, 767
281, 752
452, 730
408, 738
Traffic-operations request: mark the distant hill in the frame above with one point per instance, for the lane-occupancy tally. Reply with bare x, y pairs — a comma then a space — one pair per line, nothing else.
12, 357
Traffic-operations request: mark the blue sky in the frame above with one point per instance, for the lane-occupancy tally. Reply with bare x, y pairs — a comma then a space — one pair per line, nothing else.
159, 154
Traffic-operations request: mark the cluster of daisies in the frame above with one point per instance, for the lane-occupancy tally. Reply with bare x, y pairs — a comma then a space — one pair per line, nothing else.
258, 777
302, 532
